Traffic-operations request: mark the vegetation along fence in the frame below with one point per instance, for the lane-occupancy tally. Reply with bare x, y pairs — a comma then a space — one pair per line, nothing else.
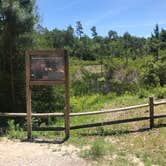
151, 105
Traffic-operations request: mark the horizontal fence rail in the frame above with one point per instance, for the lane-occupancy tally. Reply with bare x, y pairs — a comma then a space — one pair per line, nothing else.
149, 117
82, 113
98, 124
115, 122
160, 103
110, 110
40, 115
6, 114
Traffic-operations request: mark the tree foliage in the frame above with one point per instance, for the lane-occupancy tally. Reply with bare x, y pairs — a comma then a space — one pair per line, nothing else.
17, 33
17, 18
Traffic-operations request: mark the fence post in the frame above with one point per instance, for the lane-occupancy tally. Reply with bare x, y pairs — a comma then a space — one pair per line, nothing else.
67, 97
151, 111
28, 97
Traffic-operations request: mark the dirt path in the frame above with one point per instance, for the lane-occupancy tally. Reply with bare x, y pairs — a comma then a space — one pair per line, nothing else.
16, 153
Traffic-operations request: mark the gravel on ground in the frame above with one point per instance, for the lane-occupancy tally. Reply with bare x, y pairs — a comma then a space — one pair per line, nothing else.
16, 153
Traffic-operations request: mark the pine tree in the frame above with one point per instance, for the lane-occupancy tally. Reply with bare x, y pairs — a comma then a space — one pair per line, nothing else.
155, 42
17, 20
112, 35
79, 29
94, 32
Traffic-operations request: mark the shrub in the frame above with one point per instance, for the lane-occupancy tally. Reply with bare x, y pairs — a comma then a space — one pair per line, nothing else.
14, 130
80, 88
143, 93
120, 87
150, 76
160, 93
47, 99
97, 150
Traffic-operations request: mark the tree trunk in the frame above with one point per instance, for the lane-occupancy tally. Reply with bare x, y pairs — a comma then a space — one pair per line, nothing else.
12, 78
11, 57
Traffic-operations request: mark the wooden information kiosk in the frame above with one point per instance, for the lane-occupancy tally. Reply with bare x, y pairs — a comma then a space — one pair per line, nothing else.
47, 68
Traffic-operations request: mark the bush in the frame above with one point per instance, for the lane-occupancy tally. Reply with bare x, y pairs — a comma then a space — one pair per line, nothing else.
80, 88
160, 93
87, 83
120, 87
149, 76
97, 150
143, 93
14, 130
47, 99
162, 72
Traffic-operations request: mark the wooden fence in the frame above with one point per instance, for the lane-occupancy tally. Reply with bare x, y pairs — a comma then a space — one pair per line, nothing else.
151, 105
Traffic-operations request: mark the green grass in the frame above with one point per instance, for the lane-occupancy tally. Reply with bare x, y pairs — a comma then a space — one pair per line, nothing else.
120, 148
120, 144
14, 130
115, 144
98, 149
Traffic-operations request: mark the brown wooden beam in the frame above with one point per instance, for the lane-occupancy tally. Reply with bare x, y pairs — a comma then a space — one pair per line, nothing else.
28, 97
109, 110
160, 103
46, 52
33, 83
109, 123
67, 97
151, 111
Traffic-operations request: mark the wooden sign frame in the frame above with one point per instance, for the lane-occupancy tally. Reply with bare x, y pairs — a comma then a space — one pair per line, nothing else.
30, 83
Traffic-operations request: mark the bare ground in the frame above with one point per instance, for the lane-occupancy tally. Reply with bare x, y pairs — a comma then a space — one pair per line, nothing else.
16, 153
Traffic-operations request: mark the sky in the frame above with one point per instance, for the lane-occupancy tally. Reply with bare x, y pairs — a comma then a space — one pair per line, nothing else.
138, 17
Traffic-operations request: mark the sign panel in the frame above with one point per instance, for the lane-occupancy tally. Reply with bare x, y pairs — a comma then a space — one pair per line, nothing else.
47, 68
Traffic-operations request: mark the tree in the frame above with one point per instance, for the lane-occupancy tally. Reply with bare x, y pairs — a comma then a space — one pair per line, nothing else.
127, 45
79, 29
17, 19
112, 35
156, 32
69, 36
163, 39
155, 42
94, 33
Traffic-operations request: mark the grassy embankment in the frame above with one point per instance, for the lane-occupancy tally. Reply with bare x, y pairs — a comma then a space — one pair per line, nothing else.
123, 144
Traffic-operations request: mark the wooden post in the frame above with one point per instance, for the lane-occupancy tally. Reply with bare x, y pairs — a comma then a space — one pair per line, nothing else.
151, 111
67, 97
28, 97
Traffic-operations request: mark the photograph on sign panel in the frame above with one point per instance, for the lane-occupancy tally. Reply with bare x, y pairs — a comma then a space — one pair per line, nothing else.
47, 68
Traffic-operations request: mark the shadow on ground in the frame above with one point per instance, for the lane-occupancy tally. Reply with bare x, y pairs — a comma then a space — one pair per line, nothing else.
104, 133
120, 132
44, 141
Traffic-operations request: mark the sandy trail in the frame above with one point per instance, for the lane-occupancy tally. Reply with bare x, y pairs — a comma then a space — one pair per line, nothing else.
16, 153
